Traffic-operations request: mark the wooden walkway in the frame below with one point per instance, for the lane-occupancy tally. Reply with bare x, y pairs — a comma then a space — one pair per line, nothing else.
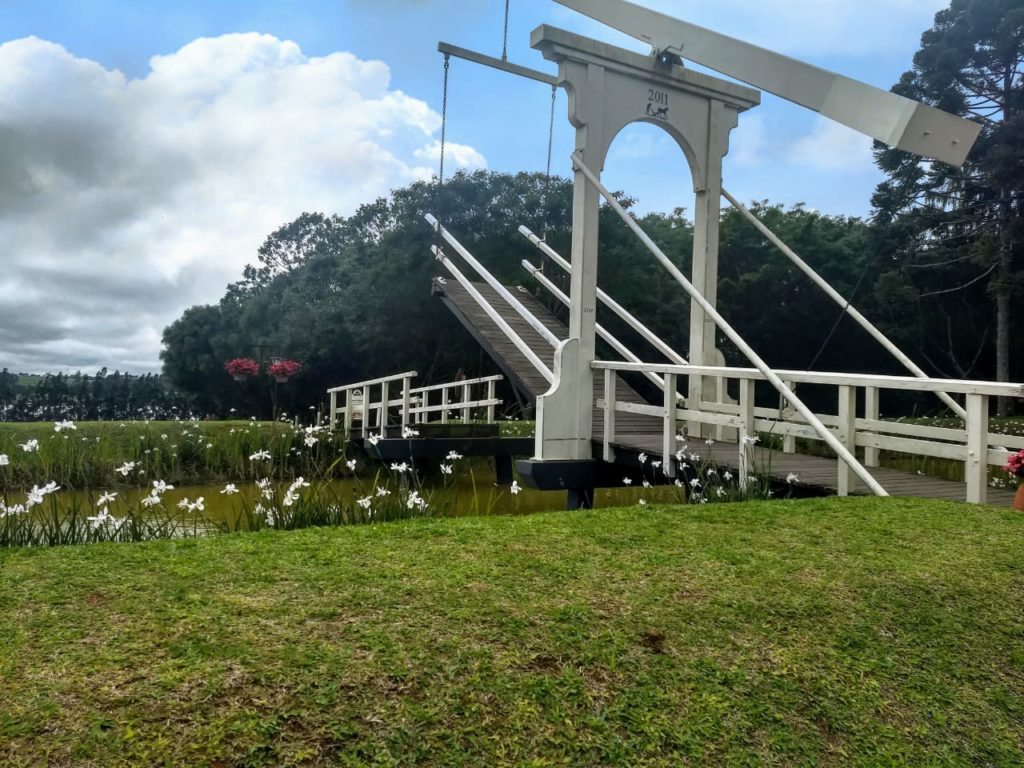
637, 433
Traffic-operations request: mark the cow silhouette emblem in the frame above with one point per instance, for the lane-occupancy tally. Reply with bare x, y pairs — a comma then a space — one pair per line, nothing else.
660, 112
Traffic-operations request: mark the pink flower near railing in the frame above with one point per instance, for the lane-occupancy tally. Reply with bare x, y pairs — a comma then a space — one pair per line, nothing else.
1015, 464
283, 370
241, 367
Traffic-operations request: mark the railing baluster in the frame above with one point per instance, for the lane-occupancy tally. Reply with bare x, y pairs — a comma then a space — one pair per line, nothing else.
491, 391
847, 436
383, 410
610, 380
466, 414
670, 426
444, 405
871, 455
788, 441
406, 402
746, 447
976, 466
334, 409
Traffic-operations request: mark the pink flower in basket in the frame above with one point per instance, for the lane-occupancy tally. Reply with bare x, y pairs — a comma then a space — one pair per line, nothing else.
283, 370
241, 367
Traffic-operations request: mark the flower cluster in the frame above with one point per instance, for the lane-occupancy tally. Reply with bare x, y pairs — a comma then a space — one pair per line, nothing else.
242, 366
284, 368
1015, 464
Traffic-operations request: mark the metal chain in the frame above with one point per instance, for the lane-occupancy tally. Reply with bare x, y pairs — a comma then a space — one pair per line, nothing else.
504, 43
547, 169
444, 121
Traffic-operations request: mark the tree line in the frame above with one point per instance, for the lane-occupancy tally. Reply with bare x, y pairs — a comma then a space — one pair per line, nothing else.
102, 396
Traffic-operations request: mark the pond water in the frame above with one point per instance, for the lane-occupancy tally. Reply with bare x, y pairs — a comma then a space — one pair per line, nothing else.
458, 498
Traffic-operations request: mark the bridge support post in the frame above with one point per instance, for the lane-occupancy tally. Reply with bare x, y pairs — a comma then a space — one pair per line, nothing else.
334, 410
847, 436
976, 464
610, 88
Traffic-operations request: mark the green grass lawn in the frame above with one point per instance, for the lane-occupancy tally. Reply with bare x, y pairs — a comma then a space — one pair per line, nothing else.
811, 633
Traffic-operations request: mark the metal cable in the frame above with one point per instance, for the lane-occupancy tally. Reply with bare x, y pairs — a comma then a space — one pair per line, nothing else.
547, 169
504, 43
439, 201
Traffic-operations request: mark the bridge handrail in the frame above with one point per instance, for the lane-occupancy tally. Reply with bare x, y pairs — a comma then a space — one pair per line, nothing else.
465, 403
881, 381
974, 445
373, 382
453, 384
366, 406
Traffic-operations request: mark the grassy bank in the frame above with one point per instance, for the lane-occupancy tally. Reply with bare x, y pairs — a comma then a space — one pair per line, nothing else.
820, 632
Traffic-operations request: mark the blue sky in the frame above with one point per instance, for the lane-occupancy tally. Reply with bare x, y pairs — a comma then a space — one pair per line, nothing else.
93, 65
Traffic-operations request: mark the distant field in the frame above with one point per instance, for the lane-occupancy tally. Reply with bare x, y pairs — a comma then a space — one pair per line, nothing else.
857, 632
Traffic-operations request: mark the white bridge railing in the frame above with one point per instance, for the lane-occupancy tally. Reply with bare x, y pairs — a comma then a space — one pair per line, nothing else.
370, 402
974, 445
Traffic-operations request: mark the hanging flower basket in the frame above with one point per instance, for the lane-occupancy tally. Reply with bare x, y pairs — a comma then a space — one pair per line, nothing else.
283, 370
1015, 468
242, 368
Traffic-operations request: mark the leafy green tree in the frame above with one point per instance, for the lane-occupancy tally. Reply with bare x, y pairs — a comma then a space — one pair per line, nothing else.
951, 236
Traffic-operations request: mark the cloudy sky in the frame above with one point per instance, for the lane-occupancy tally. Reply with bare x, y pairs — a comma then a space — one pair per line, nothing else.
147, 149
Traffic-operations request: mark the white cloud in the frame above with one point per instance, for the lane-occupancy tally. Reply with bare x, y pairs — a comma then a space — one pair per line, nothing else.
124, 201
832, 147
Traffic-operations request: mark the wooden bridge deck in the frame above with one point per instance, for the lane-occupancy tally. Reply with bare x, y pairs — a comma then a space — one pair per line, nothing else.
638, 433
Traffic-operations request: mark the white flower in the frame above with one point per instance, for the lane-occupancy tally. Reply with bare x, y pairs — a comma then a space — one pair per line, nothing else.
643, 502
407, 433
446, 469
159, 486
414, 501
656, 464
17, 509
727, 476
382, 491
151, 501
642, 458
403, 467
198, 504
4, 460
709, 441
679, 483
310, 441
750, 439
101, 519
290, 498
60, 425
792, 478
30, 447
712, 472
720, 492
515, 488
230, 489
263, 484
351, 464
365, 502
627, 481
373, 439
107, 498
125, 468
164, 437
453, 456
695, 483
260, 456
680, 455
647, 484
